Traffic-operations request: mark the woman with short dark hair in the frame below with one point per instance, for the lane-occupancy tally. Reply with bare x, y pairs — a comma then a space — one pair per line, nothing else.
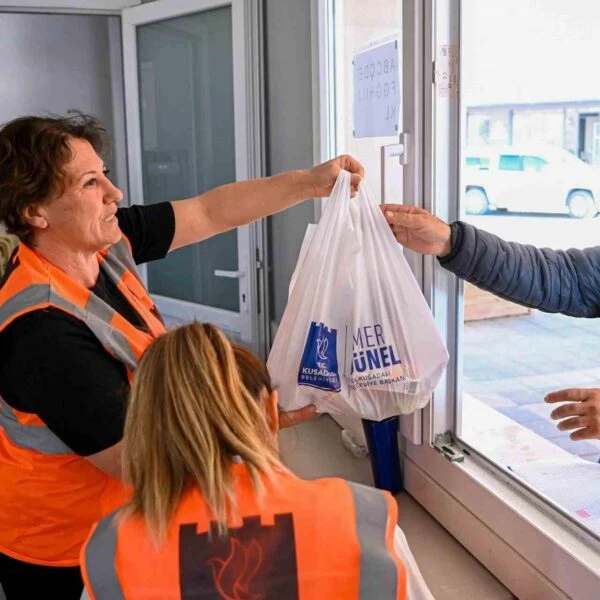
34, 152
75, 319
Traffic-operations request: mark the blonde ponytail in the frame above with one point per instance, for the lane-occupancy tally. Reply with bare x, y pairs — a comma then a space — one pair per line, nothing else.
189, 414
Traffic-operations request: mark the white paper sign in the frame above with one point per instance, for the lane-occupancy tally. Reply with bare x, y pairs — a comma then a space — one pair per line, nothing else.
446, 71
376, 91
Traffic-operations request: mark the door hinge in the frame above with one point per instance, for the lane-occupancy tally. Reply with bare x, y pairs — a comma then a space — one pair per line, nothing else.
444, 444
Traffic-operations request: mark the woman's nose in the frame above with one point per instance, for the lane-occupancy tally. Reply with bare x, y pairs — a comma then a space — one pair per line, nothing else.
113, 193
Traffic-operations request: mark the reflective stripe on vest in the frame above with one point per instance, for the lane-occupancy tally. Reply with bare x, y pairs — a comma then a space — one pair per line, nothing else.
378, 571
33, 437
34, 294
97, 316
100, 563
118, 261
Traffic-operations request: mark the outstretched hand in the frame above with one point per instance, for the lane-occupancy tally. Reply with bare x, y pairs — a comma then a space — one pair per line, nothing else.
293, 417
582, 413
323, 176
417, 229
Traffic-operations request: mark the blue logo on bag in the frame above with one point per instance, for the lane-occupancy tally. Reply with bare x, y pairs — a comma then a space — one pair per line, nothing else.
319, 365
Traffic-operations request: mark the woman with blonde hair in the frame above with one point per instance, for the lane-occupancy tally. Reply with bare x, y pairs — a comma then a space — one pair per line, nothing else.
214, 513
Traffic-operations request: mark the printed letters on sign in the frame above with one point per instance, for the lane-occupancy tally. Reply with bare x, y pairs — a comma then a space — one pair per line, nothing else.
377, 93
374, 362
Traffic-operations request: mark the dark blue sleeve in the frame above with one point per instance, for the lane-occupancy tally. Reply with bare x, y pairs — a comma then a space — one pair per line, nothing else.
564, 281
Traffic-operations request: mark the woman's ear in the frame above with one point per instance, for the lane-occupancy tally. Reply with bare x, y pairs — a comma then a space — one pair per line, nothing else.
272, 411
35, 215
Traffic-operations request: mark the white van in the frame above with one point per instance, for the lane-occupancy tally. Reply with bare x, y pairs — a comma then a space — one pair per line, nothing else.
542, 179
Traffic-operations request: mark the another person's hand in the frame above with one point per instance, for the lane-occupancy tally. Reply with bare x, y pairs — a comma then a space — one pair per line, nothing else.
581, 413
323, 176
293, 417
417, 229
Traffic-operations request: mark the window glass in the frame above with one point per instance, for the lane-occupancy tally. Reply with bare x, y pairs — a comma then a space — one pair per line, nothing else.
533, 163
359, 29
531, 97
510, 162
189, 143
476, 161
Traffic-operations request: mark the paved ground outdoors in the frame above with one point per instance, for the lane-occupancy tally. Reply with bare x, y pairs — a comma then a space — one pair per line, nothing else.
510, 363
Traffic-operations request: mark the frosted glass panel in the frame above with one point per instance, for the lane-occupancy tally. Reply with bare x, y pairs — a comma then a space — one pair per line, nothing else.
186, 90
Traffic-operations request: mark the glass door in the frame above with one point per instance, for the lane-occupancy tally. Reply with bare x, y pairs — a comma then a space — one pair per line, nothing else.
373, 95
524, 94
367, 86
190, 105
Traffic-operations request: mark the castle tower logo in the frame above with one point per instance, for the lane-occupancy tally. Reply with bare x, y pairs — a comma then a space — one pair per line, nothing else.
253, 562
319, 364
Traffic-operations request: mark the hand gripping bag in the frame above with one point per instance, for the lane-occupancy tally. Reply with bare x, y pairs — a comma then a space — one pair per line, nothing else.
357, 336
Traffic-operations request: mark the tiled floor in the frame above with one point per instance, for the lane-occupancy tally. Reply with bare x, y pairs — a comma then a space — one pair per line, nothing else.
314, 449
511, 363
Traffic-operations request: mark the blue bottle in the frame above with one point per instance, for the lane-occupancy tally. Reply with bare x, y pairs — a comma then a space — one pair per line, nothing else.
382, 441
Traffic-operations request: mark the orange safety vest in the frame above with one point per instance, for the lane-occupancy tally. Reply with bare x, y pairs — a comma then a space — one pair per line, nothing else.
306, 540
50, 496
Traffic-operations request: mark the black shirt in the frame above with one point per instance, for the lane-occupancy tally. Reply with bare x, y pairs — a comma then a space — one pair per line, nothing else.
51, 364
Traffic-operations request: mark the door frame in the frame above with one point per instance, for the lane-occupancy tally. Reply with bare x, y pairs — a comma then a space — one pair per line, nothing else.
83, 7
251, 321
327, 104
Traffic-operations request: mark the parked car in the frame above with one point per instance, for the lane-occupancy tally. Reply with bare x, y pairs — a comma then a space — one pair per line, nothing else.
545, 179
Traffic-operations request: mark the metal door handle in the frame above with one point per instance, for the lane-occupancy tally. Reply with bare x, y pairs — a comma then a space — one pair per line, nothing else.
230, 274
400, 150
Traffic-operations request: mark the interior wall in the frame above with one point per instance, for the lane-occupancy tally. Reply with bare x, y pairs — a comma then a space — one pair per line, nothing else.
52, 63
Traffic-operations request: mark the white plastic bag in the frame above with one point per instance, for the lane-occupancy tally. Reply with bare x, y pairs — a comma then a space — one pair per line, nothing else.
357, 336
